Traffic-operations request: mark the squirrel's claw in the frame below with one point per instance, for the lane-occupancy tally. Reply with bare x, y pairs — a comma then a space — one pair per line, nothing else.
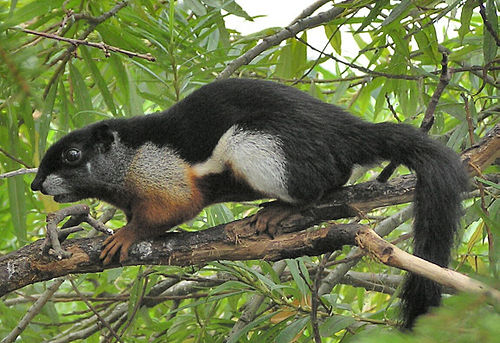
120, 240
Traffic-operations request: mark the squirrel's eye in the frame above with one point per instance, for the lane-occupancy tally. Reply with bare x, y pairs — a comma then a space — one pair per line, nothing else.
72, 156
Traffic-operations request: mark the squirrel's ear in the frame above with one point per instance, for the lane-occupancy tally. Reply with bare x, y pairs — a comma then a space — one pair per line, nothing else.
102, 134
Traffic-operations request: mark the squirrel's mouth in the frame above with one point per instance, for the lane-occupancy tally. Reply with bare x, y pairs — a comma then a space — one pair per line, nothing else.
66, 197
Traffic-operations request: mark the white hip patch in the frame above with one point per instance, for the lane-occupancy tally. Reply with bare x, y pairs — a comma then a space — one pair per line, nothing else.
253, 156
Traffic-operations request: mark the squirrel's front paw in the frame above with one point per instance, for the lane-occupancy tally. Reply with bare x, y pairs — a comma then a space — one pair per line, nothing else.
120, 240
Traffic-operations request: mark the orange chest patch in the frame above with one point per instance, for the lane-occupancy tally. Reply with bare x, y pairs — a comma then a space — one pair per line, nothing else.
164, 186
167, 201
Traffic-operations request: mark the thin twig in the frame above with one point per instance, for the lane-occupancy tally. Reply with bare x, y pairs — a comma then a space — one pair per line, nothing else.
470, 125
391, 108
97, 314
137, 305
481, 72
491, 30
472, 69
33, 311
18, 172
444, 79
361, 68
322, 52
103, 46
315, 297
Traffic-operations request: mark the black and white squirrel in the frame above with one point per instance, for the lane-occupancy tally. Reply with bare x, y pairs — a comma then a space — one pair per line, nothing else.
241, 139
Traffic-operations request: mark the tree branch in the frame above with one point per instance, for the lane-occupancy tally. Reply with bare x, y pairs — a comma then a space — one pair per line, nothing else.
277, 38
233, 241
391, 255
103, 46
236, 240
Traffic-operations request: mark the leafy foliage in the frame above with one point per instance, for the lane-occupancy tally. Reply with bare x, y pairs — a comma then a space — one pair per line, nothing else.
49, 87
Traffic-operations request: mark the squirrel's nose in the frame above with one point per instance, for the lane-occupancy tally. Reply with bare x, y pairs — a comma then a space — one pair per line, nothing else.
36, 185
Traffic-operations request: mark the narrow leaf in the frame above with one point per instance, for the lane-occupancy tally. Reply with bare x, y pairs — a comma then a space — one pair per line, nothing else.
333, 33
292, 330
233, 8
101, 84
196, 6
489, 45
294, 270
465, 18
334, 324
81, 94
397, 12
379, 5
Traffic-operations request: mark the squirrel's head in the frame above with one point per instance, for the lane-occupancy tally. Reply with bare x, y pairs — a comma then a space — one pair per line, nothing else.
71, 169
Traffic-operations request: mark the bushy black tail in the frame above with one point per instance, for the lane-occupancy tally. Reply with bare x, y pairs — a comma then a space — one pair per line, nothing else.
441, 179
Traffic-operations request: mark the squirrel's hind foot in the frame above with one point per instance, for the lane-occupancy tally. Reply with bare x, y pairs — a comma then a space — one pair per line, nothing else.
269, 218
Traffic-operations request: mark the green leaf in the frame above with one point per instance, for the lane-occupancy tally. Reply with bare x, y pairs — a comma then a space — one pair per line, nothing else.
42, 125
135, 101
334, 324
122, 81
489, 183
489, 44
16, 189
196, 6
224, 36
379, 5
64, 117
218, 214
136, 291
233, 8
340, 91
458, 136
15, 185
231, 286
397, 12
360, 298
465, 17
81, 93
427, 42
402, 45
292, 58
333, 33
294, 270
254, 323
213, 3
101, 84
30, 11
292, 330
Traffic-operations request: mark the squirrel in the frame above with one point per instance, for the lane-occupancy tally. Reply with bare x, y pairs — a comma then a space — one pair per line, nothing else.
244, 139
